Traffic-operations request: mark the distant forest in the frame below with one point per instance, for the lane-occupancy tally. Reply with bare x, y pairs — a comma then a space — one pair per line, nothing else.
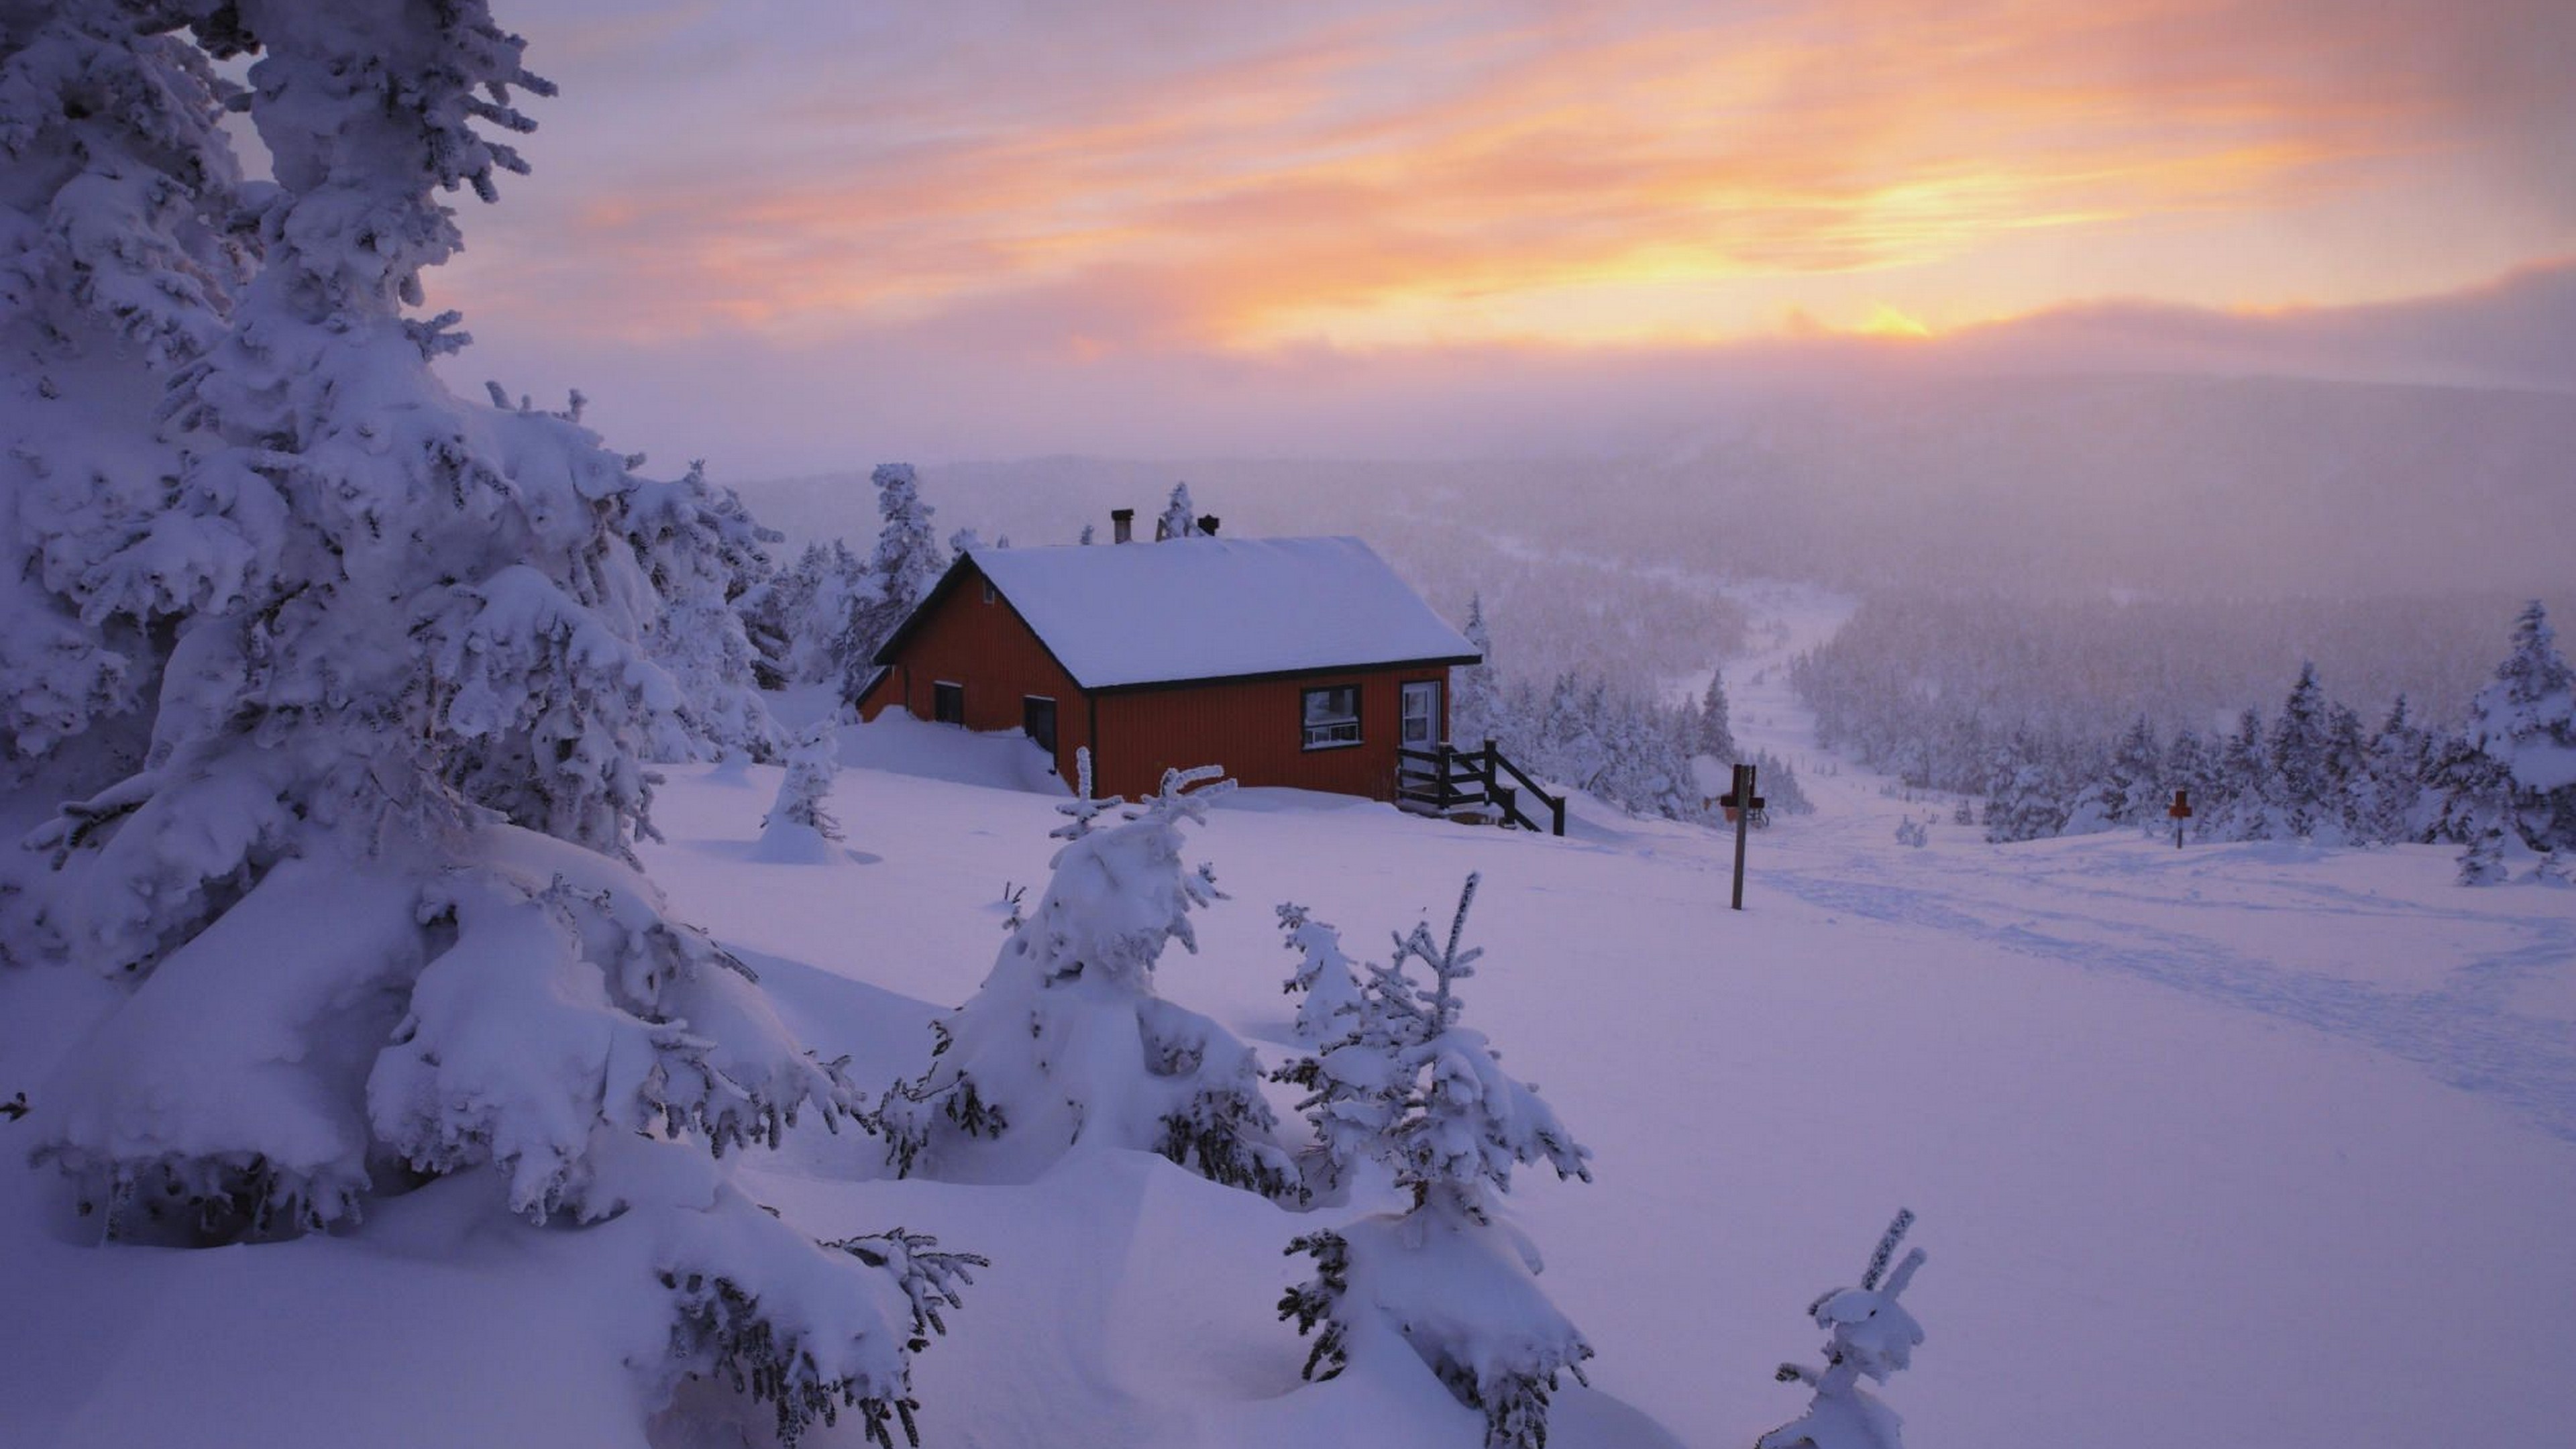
2049, 557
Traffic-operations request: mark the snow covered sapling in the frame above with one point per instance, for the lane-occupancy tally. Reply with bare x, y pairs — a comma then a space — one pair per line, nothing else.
1084, 807
1410, 1089
1326, 990
1868, 1334
1330, 1001
799, 826
1066, 1043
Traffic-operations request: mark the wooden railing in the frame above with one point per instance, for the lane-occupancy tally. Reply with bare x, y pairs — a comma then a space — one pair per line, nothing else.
1449, 780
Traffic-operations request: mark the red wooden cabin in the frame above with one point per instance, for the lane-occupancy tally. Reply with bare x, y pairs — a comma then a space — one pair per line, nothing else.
1291, 661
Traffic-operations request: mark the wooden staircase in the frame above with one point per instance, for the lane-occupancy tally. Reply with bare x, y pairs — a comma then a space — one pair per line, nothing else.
1449, 781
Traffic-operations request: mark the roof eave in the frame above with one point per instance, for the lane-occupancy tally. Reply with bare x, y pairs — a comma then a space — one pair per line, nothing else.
903, 632
1139, 686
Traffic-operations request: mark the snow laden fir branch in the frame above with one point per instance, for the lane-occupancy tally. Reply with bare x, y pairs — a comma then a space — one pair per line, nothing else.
119, 266
785, 1358
1404, 1087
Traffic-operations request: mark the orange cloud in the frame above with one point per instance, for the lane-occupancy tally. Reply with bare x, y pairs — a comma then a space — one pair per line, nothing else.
1604, 173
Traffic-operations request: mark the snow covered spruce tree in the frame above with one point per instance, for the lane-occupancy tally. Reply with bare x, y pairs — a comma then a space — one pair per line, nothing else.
2241, 805
2504, 788
1868, 1334
698, 635
371, 894
1447, 1281
2347, 775
2129, 794
2024, 803
1067, 1044
119, 266
795, 616
2524, 722
2302, 788
1180, 516
2391, 803
2188, 768
1716, 735
2477, 811
1476, 698
907, 561
1650, 769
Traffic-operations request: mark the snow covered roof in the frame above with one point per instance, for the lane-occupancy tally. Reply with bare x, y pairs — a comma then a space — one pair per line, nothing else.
1211, 608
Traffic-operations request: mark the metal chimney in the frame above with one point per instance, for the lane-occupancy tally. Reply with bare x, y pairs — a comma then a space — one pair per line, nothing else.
1207, 524
1122, 525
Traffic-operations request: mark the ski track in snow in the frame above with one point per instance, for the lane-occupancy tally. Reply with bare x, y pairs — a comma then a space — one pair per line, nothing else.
2457, 1032
2466, 1032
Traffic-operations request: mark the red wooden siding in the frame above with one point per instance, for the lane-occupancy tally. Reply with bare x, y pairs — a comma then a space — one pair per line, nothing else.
1256, 731
987, 648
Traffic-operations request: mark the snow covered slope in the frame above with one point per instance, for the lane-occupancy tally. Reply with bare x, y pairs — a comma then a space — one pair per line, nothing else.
2230, 1146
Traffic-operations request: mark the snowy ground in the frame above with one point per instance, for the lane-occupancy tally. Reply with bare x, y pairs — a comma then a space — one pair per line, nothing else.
2236, 1145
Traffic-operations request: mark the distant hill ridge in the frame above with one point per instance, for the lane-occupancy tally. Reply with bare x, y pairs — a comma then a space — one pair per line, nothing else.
2163, 485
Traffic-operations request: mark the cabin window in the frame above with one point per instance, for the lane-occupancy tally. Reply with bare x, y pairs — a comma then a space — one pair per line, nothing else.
988, 591
948, 702
1332, 716
1037, 720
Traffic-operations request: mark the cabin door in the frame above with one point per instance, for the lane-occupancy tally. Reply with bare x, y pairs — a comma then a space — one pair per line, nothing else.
1418, 729
1422, 715
1037, 720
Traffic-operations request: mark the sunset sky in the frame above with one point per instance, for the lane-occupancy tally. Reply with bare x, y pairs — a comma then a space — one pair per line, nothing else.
801, 233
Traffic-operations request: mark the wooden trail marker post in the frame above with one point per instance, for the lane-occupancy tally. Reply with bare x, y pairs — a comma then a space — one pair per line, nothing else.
2180, 811
1739, 803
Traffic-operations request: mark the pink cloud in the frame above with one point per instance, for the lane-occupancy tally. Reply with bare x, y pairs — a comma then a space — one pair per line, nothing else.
1059, 218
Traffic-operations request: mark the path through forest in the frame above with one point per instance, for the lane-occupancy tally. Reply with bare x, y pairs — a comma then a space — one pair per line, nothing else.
2477, 988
